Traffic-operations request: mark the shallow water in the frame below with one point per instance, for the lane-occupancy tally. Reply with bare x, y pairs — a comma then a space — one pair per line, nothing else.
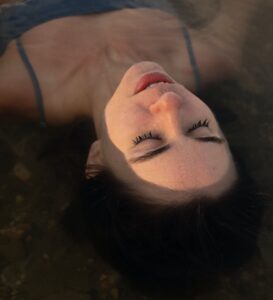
38, 172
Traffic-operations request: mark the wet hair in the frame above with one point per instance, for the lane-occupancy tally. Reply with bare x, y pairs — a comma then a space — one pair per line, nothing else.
179, 242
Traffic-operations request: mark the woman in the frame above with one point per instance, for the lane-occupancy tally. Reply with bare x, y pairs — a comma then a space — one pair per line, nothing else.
162, 189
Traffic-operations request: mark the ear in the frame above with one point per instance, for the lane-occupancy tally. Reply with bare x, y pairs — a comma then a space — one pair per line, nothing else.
94, 159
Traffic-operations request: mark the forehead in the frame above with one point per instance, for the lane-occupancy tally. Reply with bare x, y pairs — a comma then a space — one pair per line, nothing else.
164, 195
188, 166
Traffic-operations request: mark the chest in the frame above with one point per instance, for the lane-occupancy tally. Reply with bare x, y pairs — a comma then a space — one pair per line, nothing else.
70, 53
64, 45
146, 35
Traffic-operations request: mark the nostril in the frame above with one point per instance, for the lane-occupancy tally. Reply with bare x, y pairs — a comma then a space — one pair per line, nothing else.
168, 101
155, 107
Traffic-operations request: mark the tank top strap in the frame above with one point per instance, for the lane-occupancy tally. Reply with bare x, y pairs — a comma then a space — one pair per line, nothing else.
35, 81
193, 62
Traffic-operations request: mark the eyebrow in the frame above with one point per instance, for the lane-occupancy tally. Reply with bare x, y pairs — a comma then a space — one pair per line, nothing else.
151, 154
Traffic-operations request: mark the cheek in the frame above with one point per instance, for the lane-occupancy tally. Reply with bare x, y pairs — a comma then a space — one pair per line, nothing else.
124, 123
138, 120
213, 164
197, 105
127, 119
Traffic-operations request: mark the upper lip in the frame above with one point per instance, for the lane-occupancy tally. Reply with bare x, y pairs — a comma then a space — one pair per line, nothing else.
150, 78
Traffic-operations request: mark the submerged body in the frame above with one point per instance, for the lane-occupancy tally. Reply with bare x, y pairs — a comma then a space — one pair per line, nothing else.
79, 64
73, 55
160, 160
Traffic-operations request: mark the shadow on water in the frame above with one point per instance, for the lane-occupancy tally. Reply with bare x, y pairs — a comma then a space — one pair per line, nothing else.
39, 173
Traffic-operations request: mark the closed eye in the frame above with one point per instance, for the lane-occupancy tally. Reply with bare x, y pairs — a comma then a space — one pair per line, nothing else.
199, 124
151, 136
159, 151
146, 136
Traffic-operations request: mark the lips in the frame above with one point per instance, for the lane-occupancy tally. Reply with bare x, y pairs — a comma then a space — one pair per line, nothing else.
151, 78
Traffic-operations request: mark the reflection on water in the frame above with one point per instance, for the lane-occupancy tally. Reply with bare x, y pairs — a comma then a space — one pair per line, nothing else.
37, 181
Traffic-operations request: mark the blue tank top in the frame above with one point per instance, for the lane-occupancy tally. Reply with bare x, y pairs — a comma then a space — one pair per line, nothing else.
15, 19
18, 18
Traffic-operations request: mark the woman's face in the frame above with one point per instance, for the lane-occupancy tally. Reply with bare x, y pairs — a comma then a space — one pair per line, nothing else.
163, 135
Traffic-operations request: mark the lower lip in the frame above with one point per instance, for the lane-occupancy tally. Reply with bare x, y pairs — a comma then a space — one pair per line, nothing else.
150, 78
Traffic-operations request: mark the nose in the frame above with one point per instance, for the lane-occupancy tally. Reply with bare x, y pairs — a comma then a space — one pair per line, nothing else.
167, 110
168, 103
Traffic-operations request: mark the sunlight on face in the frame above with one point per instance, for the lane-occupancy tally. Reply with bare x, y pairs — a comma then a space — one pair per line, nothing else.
164, 135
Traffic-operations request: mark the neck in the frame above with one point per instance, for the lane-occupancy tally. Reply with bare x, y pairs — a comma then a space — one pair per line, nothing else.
108, 74
155, 37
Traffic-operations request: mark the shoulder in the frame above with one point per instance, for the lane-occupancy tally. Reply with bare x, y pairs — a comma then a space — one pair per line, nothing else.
58, 52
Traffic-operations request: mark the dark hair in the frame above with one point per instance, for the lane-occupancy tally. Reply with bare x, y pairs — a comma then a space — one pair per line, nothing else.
173, 242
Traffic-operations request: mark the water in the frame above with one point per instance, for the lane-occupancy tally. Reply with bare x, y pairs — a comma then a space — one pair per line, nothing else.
38, 173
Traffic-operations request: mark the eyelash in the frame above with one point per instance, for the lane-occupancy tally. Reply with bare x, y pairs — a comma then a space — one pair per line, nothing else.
200, 123
149, 135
